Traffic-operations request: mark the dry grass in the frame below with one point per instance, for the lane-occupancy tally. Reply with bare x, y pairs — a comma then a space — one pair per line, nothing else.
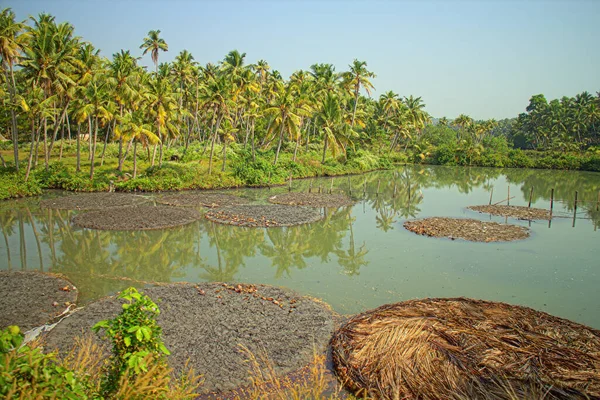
465, 349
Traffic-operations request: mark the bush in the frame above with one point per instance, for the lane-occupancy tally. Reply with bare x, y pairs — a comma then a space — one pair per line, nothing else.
13, 185
26, 372
135, 336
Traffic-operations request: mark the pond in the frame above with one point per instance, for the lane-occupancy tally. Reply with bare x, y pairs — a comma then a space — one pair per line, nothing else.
357, 257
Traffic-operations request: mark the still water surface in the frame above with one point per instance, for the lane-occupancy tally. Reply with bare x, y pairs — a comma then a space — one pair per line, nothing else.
357, 257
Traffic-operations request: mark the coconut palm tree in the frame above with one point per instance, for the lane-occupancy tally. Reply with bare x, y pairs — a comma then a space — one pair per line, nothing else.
330, 119
358, 77
152, 43
11, 43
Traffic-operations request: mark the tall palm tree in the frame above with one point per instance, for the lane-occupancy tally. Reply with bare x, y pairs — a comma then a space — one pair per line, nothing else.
11, 42
153, 43
358, 77
330, 119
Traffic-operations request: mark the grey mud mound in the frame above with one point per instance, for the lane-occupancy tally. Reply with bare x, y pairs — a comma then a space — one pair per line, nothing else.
136, 218
31, 299
312, 199
264, 216
93, 201
208, 323
198, 199
519, 212
468, 229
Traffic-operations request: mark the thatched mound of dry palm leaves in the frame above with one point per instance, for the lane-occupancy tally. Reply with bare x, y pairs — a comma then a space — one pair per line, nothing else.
464, 349
312, 199
136, 218
201, 199
467, 229
93, 201
266, 216
519, 212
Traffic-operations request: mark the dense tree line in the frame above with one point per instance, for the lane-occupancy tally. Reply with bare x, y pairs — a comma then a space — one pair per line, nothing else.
55, 87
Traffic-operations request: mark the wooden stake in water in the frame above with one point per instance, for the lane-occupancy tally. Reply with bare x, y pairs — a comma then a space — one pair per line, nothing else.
530, 196
491, 194
551, 201
365, 189
310, 187
290, 186
508, 198
378, 183
575, 209
331, 187
598, 202
349, 187
320, 188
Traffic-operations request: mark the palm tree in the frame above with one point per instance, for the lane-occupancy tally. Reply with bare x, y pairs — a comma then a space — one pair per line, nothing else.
216, 96
11, 42
287, 112
152, 43
358, 77
330, 119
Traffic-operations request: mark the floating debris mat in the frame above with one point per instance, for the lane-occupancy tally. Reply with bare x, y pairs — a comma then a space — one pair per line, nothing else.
31, 299
469, 349
264, 215
93, 201
208, 200
136, 218
211, 323
467, 229
519, 212
312, 199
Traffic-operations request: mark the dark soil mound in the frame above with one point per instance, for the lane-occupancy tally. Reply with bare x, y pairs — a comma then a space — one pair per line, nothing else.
312, 199
468, 229
93, 201
463, 348
136, 218
208, 323
209, 200
31, 299
264, 216
518, 212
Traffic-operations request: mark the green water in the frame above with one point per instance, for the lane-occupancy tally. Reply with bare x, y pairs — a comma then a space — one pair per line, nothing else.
357, 257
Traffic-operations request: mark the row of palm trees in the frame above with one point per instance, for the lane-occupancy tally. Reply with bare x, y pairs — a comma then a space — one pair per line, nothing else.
62, 88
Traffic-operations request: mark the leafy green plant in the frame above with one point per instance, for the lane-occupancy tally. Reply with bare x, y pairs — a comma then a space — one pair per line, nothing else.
135, 336
26, 372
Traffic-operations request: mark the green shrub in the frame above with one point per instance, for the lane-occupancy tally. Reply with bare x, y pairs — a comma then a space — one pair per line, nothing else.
26, 372
13, 185
135, 336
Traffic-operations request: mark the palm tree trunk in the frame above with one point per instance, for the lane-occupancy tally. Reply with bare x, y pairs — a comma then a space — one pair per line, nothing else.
3, 162
154, 154
134, 159
62, 140
296, 148
253, 144
94, 148
280, 140
247, 132
31, 148
212, 145
46, 153
224, 154
108, 132
78, 167
89, 138
13, 117
355, 105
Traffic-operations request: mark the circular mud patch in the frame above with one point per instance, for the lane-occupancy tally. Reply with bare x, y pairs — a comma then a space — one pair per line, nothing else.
209, 200
518, 212
93, 201
312, 199
209, 324
264, 216
463, 348
468, 229
31, 299
136, 218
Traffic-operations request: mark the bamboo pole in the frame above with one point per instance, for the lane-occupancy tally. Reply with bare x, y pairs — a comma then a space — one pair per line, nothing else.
310, 187
530, 196
491, 194
551, 201
575, 209
508, 198
598, 202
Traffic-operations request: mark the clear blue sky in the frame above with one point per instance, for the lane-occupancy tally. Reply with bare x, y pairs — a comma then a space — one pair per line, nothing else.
482, 58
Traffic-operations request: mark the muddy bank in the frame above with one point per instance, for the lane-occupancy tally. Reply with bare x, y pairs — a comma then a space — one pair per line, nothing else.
200, 199
264, 216
207, 323
31, 299
519, 212
136, 218
464, 348
93, 201
312, 199
467, 229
